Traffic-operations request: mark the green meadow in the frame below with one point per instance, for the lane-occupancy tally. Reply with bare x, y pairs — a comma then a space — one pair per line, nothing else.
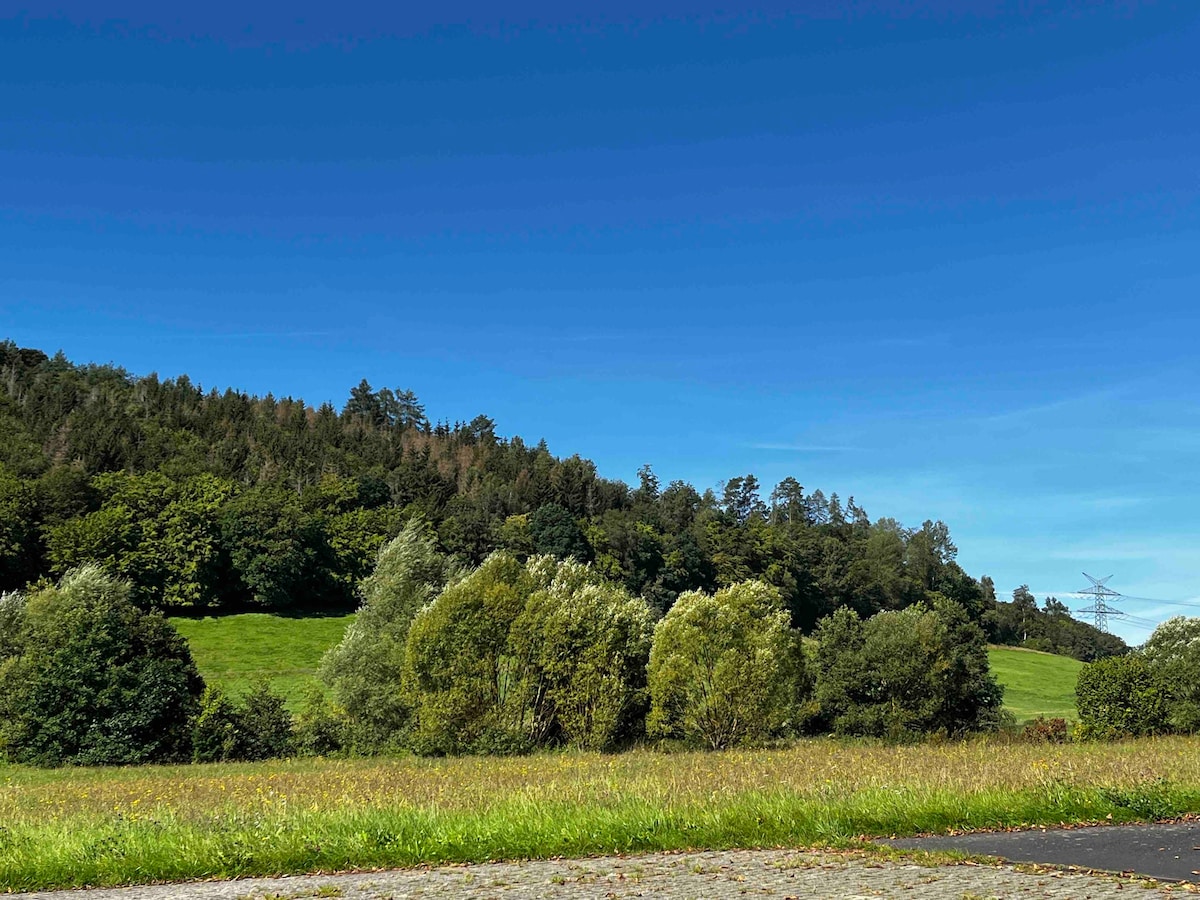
1036, 683
233, 652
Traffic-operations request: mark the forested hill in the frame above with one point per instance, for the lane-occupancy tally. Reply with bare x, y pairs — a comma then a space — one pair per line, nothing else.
221, 501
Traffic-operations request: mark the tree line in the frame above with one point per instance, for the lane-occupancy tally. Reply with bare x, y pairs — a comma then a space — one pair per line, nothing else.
505, 657
511, 656
209, 502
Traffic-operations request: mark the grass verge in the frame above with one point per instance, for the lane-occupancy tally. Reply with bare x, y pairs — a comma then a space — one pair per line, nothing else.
72, 828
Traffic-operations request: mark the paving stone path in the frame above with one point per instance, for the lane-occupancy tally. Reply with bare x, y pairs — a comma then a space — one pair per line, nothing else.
703, 876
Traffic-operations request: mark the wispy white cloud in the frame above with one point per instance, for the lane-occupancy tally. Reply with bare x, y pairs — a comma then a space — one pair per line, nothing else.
1087, 398
1106, 552
806, 448
253, 335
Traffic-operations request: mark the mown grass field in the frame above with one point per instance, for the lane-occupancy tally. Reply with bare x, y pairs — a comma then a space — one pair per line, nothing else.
73, 827
235, 651
232, 652
1036, 683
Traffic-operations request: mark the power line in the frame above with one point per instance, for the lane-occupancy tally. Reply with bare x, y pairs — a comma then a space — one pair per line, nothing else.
1100, 609
1164, 602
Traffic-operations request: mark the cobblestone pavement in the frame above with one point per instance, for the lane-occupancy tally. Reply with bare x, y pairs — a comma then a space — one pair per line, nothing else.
703, 876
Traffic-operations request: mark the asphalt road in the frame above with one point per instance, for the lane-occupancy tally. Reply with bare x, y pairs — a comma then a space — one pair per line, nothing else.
1160, 851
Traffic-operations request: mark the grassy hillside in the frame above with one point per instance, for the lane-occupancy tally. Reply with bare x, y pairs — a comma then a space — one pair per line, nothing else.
1036, 683
233, 652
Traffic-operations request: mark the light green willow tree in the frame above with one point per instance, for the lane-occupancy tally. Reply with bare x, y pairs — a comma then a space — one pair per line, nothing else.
1174, 653
365, 670
726, 668
581, 645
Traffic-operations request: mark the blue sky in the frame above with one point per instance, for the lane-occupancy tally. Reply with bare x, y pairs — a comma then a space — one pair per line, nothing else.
945, 262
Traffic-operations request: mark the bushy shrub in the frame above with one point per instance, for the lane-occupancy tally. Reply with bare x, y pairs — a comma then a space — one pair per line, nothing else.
1120, 696
258, 728
319, 730
89, 679
1173, 651
972, 698
365, 670
581, 644
726, 668
265, 725
1046, 731
215, 732
915, 671
459, 674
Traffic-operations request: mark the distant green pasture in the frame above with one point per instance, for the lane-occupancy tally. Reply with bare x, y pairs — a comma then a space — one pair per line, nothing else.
233, 652
1036, 683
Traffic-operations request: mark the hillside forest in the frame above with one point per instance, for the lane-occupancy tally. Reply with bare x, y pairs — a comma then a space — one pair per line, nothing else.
209, 502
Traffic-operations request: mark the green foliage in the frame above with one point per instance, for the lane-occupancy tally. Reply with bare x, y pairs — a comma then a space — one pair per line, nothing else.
19, 550
91, 680
902, 673
555, 532
513, 535
972, 698
12, 615
581, 644
257, 728
1173, 651
215, 732
726, 668
265, 726
1121, 696
459, 674
319, 731
365, 670
160, 535
280, 552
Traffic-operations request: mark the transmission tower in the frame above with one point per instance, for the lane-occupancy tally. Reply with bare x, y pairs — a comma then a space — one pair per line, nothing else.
1100, 609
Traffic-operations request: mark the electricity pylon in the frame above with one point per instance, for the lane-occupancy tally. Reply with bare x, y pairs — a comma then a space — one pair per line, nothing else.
1100, 608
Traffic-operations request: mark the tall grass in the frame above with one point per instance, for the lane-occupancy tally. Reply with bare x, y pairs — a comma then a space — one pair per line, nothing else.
117, 826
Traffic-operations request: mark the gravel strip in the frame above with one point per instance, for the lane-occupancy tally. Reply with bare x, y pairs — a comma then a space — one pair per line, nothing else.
678, 876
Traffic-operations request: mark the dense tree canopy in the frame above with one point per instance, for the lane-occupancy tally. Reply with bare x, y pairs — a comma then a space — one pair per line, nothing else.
912, 671
88, 678
220, 501
1174, 652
